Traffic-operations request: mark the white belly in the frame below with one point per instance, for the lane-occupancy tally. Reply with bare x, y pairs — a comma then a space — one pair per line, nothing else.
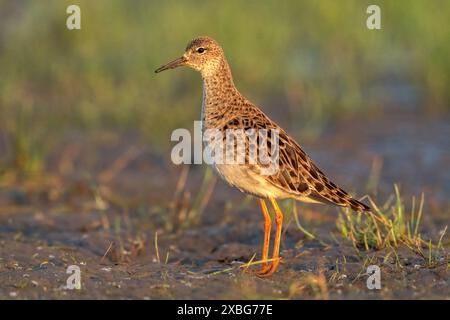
249, 182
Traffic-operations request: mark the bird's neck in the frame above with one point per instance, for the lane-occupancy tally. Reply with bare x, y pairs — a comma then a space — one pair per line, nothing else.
219, 92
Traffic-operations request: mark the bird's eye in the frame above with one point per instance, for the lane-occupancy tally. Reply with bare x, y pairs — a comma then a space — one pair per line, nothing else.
201, 50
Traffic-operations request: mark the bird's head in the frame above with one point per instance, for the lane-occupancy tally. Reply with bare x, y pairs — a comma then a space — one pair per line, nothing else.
203, 54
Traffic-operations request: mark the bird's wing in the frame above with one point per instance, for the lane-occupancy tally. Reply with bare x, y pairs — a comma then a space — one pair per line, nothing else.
299, 175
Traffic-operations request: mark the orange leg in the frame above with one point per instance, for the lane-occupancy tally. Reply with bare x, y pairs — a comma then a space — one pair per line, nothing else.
267, 225
276, 247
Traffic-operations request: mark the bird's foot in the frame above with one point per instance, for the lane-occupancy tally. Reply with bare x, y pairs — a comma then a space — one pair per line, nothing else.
265, 267
268, 270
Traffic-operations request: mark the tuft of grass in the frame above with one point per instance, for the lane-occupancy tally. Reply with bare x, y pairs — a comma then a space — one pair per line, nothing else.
291, 213
158, 258
389, 226
185, 210
26, 152
202, 199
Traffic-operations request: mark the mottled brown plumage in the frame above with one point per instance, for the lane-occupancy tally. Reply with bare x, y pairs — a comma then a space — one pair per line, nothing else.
225, 108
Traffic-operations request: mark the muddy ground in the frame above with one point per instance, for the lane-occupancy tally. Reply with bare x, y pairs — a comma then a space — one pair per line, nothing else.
104, 200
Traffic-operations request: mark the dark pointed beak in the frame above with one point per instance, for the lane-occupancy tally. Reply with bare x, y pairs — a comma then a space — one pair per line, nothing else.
173, 64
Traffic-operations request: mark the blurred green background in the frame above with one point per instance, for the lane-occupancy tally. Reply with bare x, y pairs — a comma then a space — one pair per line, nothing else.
309, 62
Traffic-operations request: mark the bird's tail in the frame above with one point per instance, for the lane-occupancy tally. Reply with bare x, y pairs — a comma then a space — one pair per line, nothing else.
358, 206
343, 200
